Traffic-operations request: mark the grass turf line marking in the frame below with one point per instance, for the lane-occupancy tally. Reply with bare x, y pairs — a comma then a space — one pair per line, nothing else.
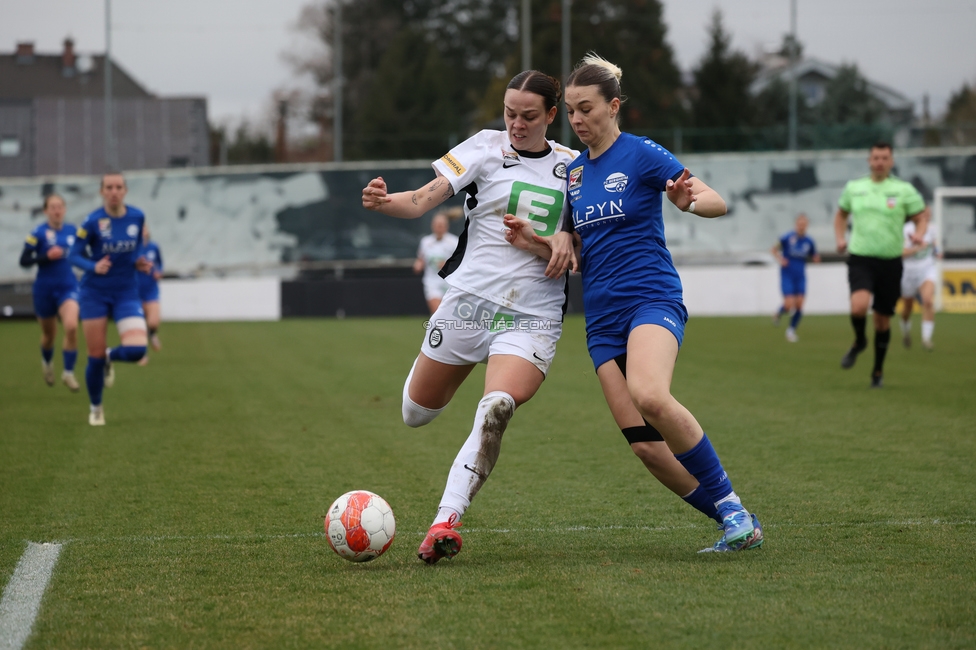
22, 596
506, 531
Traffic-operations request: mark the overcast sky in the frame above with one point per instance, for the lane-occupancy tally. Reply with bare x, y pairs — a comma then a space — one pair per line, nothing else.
231, 50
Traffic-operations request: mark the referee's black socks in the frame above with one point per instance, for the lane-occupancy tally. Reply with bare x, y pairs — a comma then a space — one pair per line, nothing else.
861, 339
880, 349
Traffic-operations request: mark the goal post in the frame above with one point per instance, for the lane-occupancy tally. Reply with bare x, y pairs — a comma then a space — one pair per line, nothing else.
938, 217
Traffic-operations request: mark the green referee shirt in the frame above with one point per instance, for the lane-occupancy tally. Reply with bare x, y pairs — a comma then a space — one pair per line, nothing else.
878, 213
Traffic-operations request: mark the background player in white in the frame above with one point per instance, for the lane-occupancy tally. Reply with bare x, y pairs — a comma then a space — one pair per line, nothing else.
434, 250
501, 308
919, 277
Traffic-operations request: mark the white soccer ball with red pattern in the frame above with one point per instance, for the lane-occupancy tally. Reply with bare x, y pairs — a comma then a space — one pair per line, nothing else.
360, 526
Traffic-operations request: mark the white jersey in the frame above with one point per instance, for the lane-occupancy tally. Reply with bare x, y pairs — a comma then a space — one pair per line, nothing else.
926, 256
498, 180
434, 252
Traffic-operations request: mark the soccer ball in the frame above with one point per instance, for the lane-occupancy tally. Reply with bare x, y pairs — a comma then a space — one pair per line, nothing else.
360, 526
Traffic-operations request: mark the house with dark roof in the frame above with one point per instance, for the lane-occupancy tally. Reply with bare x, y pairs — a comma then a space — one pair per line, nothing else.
52, 118
812, 77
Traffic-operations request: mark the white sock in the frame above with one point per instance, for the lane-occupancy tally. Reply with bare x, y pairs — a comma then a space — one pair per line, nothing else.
906, 325
928, 327
477, 456
415, 415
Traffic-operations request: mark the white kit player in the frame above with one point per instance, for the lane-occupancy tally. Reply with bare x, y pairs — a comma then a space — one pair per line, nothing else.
919, 278
500, 309
435, 249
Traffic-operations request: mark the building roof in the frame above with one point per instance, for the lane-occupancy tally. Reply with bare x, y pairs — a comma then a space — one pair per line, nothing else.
26, 75
810, 67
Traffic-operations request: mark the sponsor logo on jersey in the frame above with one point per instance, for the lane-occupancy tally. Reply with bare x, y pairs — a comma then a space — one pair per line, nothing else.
51, 236
892, 202
536, 203
559, 171
510, 159
575, 178
668, 320
605, 212
132, 230
126, 246
105, 228
454, 165
615, 182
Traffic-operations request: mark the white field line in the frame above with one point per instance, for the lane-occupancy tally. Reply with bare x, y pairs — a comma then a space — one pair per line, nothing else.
507, 531
22, 596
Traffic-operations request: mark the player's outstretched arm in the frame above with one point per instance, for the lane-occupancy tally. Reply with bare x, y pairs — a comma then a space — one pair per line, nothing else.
921, 224
406, 205
688, 189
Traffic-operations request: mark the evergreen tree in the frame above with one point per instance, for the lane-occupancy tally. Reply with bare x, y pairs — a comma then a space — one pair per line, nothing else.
722, 100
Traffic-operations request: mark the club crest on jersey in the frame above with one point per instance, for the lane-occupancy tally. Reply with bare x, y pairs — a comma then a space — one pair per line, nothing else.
892, 202
559, 171
105, 228
615, 182
510, 159
575, 178
132, 230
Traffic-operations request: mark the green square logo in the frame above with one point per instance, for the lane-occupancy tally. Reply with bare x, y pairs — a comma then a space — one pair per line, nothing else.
536, 203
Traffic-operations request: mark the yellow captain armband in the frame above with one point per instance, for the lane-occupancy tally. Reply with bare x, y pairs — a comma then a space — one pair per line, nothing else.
81, 233
32, 240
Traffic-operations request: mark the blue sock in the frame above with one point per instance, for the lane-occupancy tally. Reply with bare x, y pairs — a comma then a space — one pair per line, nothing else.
127, 353
797, 315
70, 356
47, 355
702, 462
700, 501
95, 379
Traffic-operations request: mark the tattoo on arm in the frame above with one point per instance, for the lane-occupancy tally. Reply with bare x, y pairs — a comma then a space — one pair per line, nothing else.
433, 186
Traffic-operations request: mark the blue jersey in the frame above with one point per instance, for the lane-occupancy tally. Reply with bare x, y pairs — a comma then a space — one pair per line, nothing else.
50, 272
147, 281
616, 203
118, 237
797, 250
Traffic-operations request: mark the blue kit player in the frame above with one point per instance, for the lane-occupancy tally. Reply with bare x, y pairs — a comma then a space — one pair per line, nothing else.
149, 289
108, 248
55, 288
632, 295
792, 252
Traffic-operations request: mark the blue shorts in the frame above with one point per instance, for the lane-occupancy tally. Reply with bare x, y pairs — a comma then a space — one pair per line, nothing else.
607, 334
148, 291
115, 304
48, 298
792, 284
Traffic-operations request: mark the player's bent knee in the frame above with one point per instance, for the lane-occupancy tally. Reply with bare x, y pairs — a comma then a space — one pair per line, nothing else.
415, 415
652, 404
131, 324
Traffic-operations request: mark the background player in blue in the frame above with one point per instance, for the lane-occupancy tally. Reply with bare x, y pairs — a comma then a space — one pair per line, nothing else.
632, 294
792, 252
108, 248
55, 288
149, 289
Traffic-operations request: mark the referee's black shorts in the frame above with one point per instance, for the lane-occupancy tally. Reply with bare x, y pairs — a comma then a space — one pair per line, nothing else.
882, 277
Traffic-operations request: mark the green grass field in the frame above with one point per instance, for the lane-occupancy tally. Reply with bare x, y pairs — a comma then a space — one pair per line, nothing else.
194, 518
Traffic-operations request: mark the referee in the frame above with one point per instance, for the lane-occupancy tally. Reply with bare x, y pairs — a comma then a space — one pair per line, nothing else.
878, 206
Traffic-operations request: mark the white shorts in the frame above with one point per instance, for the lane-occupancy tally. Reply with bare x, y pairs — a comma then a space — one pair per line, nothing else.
913, 277
468, 329
435, 288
